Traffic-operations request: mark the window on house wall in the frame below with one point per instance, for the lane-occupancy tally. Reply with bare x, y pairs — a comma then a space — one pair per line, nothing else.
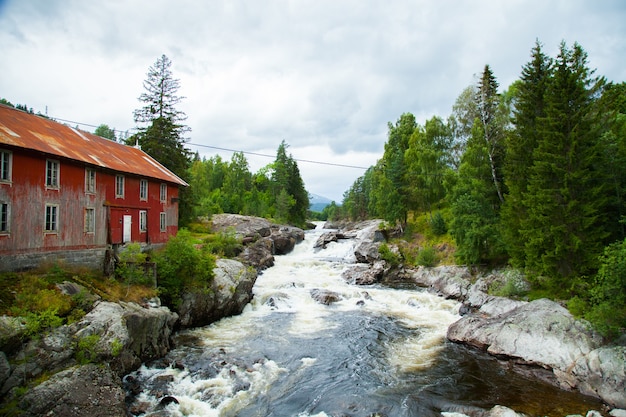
90, 220
119, 186
52, 173
52, 218
143, 220
163, 193
5, 166
143, 189
4, 218
90, 181
162, 222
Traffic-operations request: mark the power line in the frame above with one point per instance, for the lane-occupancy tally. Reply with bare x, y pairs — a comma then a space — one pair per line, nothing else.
273, 156
226, 149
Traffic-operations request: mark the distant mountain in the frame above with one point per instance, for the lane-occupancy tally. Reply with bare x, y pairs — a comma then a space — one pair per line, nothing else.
317, 202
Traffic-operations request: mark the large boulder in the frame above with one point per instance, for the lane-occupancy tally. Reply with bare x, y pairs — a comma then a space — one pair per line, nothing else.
230, 292
540, 333
449, 281
543, 333
600, 373
88, 390
262, 238
364, 274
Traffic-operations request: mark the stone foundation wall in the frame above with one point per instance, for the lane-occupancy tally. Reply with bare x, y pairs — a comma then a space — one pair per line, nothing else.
92, 258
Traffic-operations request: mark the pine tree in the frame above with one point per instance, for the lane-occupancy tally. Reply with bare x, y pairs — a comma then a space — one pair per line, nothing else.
162, 135
565, 198
520, 144
287, 182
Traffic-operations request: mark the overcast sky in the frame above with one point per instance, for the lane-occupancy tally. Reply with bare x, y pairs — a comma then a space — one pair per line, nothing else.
326, 76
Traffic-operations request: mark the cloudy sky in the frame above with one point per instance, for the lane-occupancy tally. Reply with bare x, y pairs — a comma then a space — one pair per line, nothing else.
326, 76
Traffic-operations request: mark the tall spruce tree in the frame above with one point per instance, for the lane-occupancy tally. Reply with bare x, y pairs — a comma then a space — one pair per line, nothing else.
162, 133
565, 197
529, 107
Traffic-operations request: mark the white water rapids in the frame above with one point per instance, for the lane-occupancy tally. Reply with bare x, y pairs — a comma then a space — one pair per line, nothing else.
376, 351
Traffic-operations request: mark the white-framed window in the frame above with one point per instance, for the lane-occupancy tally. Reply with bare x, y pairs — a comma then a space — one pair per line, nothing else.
143, 220
90, 180
5, 166
5, 216
119, 186
90, 220
52, 173
52, 218
163, 193
162, 223
143, 189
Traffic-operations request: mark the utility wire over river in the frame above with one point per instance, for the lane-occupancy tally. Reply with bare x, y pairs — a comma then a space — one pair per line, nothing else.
311, 344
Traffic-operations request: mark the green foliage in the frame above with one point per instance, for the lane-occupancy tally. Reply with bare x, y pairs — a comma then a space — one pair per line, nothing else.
225, 244
513, 285
131, 266
86, 349
41, 321
116, 348
438, 224
183, 264
608, 293
389, 256
427, 257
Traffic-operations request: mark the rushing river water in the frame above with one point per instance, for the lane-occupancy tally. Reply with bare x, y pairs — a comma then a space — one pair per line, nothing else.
377, 351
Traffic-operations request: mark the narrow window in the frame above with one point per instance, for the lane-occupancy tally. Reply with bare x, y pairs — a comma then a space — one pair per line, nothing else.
143, 189
52, 174
163, 193
5, 166
143, 221
52, 215
90, 181
162, 222
4, 218
90, 220
119, 186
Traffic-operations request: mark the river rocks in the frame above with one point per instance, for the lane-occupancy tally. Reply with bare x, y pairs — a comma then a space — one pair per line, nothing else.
230, 291
364, 274
326, 238
325, 297
600, 373
539, 333
88, 390
262, 238
450, 281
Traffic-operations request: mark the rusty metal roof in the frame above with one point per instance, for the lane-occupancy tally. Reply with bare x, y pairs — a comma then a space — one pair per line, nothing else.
28, 131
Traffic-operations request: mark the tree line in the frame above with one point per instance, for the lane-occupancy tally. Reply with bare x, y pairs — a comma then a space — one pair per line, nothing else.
215, 186
533, 176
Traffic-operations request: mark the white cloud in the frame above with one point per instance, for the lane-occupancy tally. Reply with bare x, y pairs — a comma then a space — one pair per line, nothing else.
325, 76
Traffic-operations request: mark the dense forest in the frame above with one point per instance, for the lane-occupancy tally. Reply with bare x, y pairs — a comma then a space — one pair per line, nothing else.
533, 176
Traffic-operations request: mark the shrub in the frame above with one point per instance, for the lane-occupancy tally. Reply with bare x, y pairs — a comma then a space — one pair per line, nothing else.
131, 267
224, 244
427, 257
86, 351
392, 258
38, 322
608, 292
181, 264
513, 285
438, 225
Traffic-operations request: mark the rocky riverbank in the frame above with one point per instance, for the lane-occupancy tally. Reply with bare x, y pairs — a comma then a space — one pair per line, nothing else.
537, 335
82, 364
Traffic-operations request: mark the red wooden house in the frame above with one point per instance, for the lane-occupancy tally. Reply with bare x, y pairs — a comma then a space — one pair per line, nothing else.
70, 195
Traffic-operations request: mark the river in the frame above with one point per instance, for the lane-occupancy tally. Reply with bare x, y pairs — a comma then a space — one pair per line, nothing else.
378, 351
